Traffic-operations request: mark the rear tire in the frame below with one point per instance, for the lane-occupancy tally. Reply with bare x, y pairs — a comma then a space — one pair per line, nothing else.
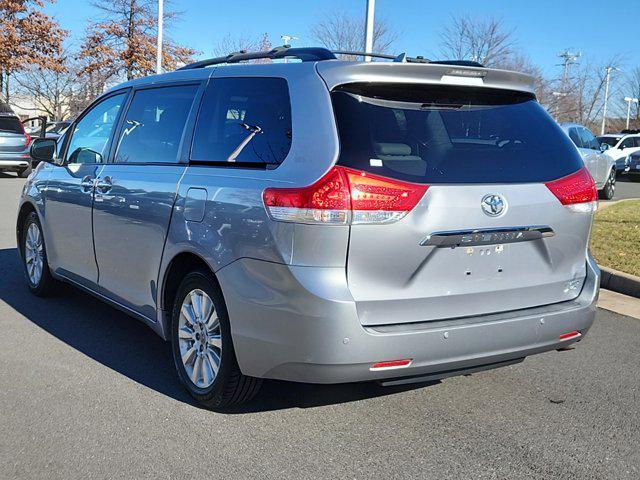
609, 189
24, 173
202, 347
34, 258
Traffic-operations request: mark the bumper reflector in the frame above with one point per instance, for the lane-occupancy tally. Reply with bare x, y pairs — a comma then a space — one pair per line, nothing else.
391, 364
570, 335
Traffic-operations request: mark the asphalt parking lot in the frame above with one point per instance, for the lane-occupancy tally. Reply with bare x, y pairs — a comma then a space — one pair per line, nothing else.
87, 392
627, 187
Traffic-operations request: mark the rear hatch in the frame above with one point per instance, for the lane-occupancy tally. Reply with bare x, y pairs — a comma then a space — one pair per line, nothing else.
504, 209
13, 138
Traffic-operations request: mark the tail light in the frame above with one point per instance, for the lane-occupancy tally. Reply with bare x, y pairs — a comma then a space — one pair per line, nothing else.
27, 139
576, 191
344, 196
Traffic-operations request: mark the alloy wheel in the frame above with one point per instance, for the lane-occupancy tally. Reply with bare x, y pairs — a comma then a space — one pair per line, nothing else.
200, 338
34, 254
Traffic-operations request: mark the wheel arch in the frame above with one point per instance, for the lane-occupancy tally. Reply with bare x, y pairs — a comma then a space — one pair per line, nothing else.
25, 209
181, 264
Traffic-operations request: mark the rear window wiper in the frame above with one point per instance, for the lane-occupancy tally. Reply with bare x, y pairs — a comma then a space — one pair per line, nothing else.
253, 131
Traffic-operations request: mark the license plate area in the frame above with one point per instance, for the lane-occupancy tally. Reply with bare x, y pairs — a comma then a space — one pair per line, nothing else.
484, 262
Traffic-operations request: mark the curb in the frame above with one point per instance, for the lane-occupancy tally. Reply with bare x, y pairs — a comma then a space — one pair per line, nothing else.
620, 282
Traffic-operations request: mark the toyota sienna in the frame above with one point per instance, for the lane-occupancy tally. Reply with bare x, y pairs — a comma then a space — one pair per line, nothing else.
320, 220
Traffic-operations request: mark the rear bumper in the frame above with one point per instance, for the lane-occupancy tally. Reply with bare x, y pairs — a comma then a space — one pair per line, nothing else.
301, 324
14, 161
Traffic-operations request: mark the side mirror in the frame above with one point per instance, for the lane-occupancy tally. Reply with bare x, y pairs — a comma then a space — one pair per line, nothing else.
604, 147
621, 147
42, 150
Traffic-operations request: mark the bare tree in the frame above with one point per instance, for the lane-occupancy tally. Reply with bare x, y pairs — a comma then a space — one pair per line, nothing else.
481, 40
339, 31
580, 96
230, 44
50, 91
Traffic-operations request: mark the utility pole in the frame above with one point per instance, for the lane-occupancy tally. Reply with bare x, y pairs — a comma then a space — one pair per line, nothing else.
368, 29
159, 44
568, 59
629, 101
606, 98
562, 96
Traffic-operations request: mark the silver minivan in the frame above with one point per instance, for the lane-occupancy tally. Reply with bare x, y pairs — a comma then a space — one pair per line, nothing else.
320, 220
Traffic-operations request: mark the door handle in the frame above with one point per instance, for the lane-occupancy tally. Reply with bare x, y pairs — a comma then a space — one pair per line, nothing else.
104, 184
87, 184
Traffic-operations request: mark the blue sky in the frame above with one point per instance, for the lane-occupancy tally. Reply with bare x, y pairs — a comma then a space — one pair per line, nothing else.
542, 27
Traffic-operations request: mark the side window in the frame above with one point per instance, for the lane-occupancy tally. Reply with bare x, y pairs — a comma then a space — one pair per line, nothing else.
154, 124
627, 143
573, 134
246, 120
636, 142
91, 134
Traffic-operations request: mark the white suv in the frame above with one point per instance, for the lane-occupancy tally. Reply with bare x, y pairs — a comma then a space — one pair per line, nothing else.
620, 147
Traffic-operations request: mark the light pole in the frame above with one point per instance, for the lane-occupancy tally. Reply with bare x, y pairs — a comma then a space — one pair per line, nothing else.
159, 44
629, 101
606, 98
558, 96
368, 28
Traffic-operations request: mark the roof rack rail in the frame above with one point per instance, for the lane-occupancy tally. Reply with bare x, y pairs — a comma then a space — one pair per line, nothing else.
396, 58
306, 54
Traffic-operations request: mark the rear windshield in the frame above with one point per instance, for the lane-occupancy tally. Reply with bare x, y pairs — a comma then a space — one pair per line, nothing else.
433, 134
10, 125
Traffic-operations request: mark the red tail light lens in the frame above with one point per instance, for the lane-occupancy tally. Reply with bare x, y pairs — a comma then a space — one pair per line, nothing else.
376, 199
27, 138
326, 201
344, 196
577, 191
570, 335
391, 364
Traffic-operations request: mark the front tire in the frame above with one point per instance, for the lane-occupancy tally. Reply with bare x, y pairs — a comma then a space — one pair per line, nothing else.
202, 346
34, 257
609, 189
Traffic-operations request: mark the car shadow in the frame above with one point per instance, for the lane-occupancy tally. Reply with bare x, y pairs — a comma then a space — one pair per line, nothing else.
6, 175
128, 347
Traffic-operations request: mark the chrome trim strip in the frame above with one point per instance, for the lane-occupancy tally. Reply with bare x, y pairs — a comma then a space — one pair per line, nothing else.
487, 236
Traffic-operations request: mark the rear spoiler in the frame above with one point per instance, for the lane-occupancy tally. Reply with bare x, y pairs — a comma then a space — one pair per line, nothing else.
340, 72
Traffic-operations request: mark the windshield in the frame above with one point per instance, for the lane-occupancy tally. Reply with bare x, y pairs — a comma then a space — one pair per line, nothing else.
611, 141
434, 134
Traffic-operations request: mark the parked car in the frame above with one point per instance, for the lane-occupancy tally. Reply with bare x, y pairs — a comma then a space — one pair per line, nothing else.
633, 166
321, 221
620, 147
14, 143
601, 166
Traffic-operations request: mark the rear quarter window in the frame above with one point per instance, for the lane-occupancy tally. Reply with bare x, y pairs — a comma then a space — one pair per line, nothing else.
434, 134
233, 108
